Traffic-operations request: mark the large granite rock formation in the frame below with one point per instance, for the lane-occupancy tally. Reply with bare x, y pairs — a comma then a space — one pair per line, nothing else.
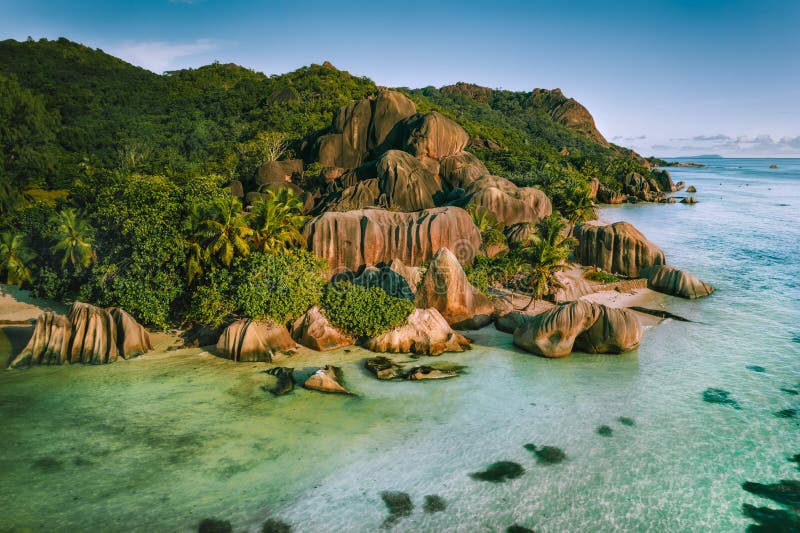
508, 203
617, 248
566, 111
132, 338
250, 340
670, 280
445, 287
88, 334
364, 128
395, 278
636, 185
313, 330
573, 286
425, 332
459, 170
327, 379
49, 344
605, 195
664, 180
405, 183
374, 236
94, 335
593, 328
434, 135
273, 172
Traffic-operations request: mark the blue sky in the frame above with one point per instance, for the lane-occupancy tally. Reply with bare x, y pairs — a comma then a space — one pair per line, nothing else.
663, 77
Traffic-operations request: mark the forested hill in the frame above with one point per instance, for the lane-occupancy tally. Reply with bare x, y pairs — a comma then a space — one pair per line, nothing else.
64, 106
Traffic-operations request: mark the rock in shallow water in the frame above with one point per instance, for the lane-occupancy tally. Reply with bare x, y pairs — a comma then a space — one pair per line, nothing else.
425, 332
670, 280
721, 397
284, 380
548, 455
499, 472
327, 379
433, 504
398, 504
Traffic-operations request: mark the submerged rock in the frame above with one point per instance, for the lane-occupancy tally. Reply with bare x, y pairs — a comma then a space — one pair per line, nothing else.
327, 379
516, 528
721, 397
499, 472
445, 287
626, 421
313, 330
788, 413
384, 368
250, 340
785, 492
433, 504
214, 525
771, 520
756, 368
605, 431
590, 327
549, 455
285, 380
419, 373
398, 504
425, 332
670, 280
273, 525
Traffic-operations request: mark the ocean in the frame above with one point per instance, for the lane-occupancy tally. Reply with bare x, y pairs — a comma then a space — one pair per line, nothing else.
161, 442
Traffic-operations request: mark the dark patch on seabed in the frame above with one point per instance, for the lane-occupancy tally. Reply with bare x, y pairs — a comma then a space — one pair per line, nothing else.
605, 431
48, 464
788, 413
433, 504
791, 392
768, 520
547, 455
626, 421
214, 525
399, 505
273, 525
516, 528
499, 472
721, 397
756, 368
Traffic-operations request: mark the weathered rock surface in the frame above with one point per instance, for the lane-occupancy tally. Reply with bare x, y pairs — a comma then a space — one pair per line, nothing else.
508, 323
327, 379
88, 334
425, 332
132, 338
459, 170
617, 248
508, 203
49, 344
664, 180
634, 184
391, 281
434, 135
385, 369
362, 194
280, 171
405, 183
519, 234
250, 340
607, 196
573, 286
691, 188
689, 200
566, 111
313, 330
94, 335
590, 327
446, 288
670, 280
424, 372
375, 236
364, 128
284, 380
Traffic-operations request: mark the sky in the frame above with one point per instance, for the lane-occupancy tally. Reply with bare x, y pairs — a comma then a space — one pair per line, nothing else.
666, 78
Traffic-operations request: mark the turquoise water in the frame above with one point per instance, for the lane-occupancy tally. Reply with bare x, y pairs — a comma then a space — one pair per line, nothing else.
164, 441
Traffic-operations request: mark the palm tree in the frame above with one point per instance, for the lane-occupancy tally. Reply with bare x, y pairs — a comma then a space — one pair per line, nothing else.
277, 220
75, 239
192, 246
580, 208
225, 234
546, 252
487, 225
14, 258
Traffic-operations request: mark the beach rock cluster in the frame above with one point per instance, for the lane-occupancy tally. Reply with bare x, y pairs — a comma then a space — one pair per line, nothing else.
313, 330
584, 326
88, 334
425, 332
670, 280
385, 369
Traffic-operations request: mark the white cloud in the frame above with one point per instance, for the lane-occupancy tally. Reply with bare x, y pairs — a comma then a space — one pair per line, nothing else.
159, 56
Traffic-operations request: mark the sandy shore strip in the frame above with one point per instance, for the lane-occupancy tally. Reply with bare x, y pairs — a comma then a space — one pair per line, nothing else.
18, 306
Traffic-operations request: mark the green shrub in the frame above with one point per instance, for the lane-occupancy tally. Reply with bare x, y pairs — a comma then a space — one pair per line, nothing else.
281, 286
602, 277
212, 300
487, 272
364, 312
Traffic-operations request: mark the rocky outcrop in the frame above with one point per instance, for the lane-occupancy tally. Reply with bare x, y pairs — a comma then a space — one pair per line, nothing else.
362, 194
284, 380
313, 330
385, 369
459, 170
691, 188
88, 334
434, 135
250, 340
636, 185
566, 111
664, 181
132, 338
508, 203
236, 189
364, 128
509, 322
445, 287
280, 171
618, 248
49, 344
689, 200
375, 236
405, 183
326, 379
573, 286
425, 332
670, 280
607, 196
593, 328
396, 279
94, 335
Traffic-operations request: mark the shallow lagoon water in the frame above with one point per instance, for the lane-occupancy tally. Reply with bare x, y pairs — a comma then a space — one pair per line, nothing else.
166, 440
